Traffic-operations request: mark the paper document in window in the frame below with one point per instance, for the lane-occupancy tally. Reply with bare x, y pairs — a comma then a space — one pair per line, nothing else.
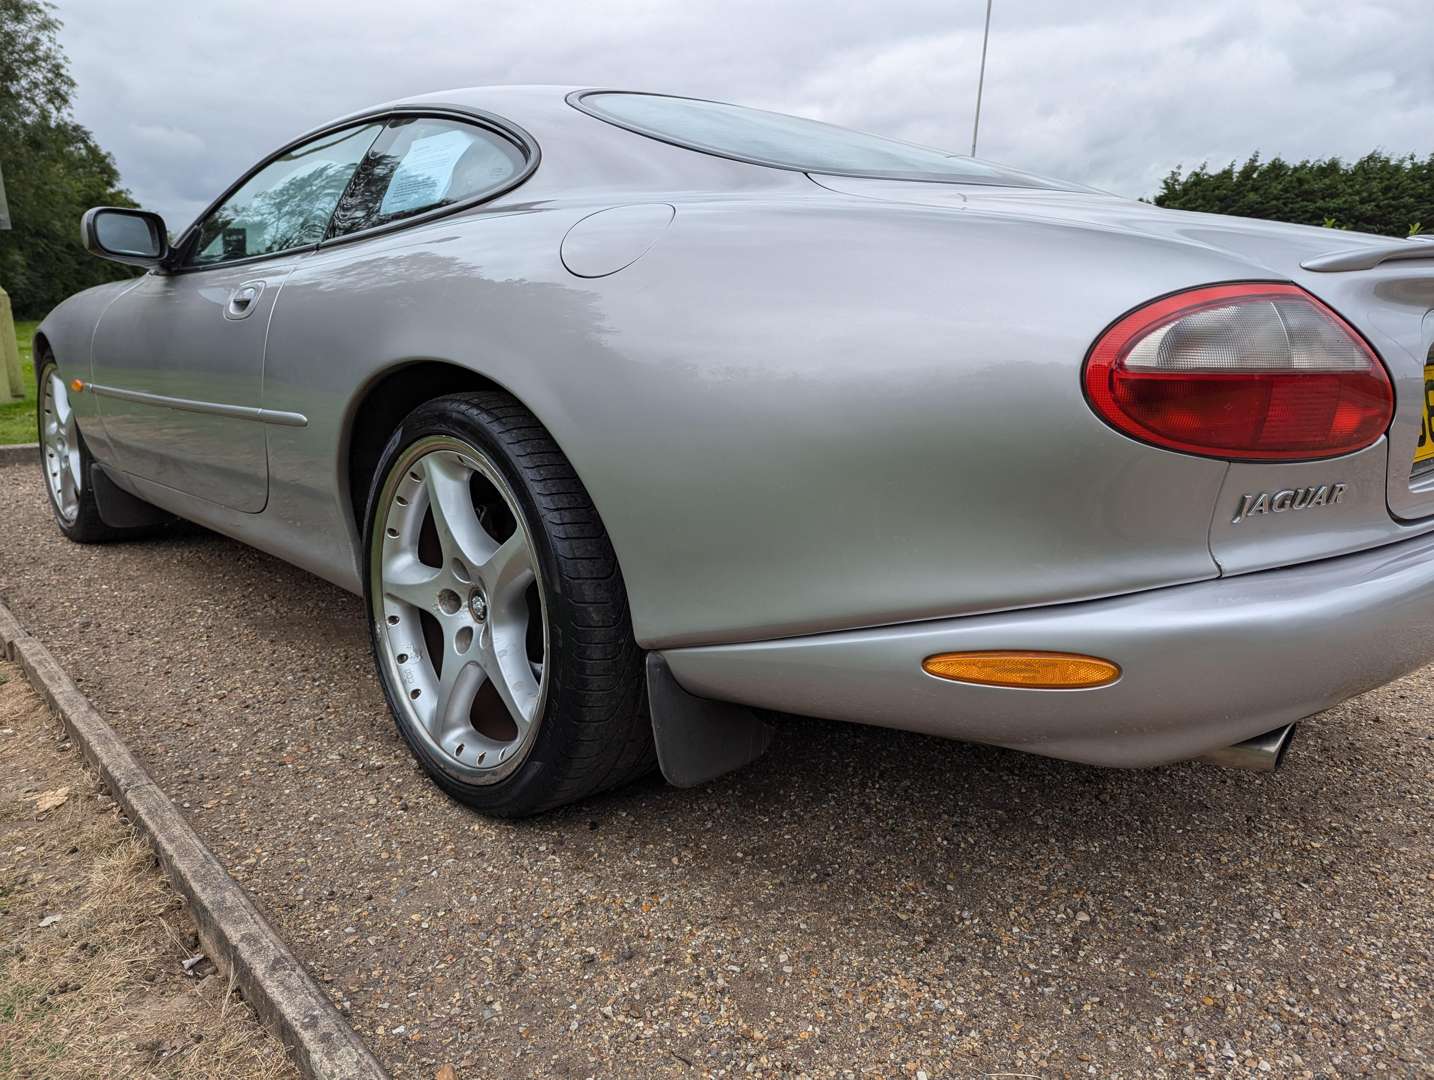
425, 173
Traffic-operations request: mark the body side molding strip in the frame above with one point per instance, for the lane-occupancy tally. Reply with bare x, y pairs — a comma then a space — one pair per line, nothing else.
212, 408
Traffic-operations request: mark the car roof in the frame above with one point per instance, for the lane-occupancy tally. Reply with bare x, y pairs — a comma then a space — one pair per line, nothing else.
580, 152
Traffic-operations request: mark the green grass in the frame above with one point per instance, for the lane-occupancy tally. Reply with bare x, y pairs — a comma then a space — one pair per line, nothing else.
17, 418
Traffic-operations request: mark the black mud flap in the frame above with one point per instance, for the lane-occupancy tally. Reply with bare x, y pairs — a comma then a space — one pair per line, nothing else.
699, 739
121, 510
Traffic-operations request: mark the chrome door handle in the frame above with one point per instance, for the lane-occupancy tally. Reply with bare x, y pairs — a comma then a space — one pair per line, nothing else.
242, 299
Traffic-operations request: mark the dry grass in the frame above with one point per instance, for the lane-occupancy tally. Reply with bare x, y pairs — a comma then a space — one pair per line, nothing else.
100, 993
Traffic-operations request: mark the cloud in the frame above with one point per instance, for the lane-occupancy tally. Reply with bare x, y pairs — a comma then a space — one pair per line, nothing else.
1114, 95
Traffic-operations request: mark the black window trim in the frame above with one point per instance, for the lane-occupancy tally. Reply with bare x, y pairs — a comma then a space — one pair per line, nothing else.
576, 100
479, 118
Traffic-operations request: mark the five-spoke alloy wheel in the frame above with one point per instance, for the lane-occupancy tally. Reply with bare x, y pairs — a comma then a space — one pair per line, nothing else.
465, 630
60, 445
66, 462
499, 620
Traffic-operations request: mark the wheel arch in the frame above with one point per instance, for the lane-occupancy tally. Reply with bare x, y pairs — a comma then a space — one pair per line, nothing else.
40, 347
391, 394
40, 353
382, 403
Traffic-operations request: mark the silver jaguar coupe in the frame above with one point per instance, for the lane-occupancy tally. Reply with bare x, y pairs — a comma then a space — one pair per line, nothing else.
636, 418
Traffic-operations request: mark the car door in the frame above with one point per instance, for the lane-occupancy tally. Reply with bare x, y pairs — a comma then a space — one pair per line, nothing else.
178, 361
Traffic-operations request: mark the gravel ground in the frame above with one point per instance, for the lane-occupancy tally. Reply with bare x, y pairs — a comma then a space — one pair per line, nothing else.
859, 902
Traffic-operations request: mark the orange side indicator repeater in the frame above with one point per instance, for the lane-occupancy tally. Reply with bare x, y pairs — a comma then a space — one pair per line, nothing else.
1023, 670
77, 385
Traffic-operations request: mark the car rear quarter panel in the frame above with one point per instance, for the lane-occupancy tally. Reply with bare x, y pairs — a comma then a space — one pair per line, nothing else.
1390, 306
793, 415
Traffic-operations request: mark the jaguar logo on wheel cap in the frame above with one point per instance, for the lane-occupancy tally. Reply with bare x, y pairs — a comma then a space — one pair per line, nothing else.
478, 605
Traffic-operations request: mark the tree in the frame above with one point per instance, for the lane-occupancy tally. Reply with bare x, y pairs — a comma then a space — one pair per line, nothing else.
54, 170
1376, 194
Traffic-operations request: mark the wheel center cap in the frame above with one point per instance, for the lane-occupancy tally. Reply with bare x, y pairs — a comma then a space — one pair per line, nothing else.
478, 605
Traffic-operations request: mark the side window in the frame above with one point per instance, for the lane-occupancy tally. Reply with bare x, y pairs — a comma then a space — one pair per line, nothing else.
286, 204
419, 164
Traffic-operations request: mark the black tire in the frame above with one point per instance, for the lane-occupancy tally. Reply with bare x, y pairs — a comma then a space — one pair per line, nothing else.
592, 731
86, 526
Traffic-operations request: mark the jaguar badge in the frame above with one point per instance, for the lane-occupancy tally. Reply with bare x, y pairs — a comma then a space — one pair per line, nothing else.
1277, 502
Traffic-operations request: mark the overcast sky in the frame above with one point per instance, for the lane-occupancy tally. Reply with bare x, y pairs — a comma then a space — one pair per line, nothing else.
1112, 93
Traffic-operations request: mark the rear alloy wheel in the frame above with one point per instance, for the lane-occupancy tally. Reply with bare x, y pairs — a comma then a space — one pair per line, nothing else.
499, 621
66, 462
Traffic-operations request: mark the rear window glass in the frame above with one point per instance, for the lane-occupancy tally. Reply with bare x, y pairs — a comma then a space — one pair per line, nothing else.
791, 142
421, 163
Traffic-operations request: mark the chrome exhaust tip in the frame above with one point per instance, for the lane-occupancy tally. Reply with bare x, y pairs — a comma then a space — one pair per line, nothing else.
1263, 753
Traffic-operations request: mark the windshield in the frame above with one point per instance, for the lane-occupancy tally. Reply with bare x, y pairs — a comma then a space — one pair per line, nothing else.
790, 142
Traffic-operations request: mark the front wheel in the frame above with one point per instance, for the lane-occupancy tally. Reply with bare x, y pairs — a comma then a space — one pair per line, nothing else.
67, 464
498, 615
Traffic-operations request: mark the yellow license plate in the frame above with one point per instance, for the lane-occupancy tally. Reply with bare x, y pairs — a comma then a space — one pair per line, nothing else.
1425, 450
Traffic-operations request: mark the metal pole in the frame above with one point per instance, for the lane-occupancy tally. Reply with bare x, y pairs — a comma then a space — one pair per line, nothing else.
981, 80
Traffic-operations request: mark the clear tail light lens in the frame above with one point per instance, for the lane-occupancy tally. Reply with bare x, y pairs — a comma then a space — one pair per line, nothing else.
1254, 372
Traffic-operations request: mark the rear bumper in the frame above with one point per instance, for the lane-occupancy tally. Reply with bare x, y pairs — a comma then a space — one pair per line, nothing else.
1203, 665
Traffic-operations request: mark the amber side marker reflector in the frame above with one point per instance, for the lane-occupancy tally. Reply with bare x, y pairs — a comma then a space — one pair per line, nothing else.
1027, 670
77, 385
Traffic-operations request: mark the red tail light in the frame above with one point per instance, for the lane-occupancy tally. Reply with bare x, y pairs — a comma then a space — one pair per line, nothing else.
1253, 372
